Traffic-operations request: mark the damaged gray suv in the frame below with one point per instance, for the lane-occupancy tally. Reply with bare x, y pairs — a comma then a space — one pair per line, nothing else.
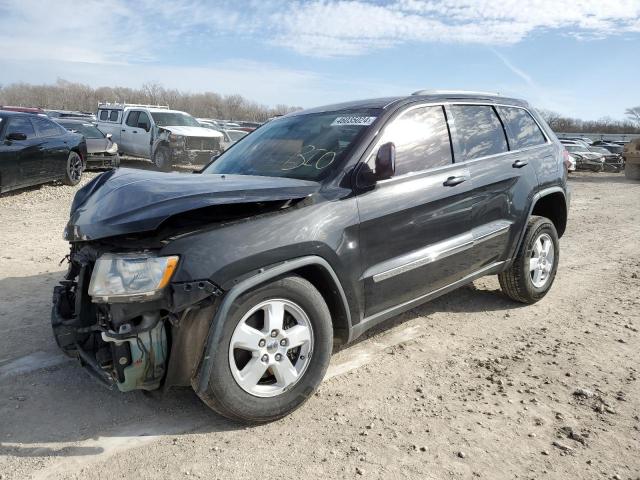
238, 281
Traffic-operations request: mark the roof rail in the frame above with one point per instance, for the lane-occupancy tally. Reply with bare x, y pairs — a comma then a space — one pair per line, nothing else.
454, 92
120, 106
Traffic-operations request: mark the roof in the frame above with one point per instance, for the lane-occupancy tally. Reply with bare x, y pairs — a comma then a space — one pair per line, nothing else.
74, 120
419, 96
11, 113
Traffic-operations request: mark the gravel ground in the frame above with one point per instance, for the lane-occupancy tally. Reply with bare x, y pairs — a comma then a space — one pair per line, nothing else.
468, 386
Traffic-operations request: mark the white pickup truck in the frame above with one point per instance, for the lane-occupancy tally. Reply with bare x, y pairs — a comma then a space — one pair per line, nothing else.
166, 137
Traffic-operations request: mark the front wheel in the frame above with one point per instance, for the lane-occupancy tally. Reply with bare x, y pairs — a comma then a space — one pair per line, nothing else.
162, 159
533, 270
273, 352
73, 172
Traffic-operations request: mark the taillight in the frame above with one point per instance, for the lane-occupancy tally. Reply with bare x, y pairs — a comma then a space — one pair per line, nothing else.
565, 159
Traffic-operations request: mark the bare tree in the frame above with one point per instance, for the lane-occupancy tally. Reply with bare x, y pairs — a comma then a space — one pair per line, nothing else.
67, 95
634, 114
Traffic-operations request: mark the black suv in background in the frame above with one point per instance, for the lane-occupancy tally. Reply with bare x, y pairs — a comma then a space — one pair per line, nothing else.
319, 225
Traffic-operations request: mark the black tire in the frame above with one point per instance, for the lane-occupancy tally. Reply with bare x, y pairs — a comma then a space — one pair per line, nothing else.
73, 172
517, 282
162, 159
225, 396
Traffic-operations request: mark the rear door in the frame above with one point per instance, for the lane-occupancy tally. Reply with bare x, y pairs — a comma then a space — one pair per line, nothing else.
53, 146
502, 180
414, 227
20, 160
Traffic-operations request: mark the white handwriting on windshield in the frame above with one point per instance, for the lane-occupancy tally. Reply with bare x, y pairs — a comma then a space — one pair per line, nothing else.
310, 156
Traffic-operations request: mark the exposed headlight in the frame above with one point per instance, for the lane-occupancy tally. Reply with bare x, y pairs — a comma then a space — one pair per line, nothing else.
130, 277
176, 138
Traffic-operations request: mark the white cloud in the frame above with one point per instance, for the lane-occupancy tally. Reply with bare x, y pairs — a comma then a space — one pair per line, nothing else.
121, 31
350, 27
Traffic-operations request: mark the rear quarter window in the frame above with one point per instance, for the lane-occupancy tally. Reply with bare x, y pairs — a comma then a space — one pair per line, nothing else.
104, 114
478, 132
522, 129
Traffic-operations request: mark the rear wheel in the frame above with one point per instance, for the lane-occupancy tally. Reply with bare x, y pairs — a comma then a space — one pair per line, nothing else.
273, 353
533, 270
75, 167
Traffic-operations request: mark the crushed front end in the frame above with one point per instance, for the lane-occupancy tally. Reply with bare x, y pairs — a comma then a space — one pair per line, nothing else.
117, 314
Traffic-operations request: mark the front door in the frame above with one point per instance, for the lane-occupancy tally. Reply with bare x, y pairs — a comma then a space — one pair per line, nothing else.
415, 227
20, 160
136, 134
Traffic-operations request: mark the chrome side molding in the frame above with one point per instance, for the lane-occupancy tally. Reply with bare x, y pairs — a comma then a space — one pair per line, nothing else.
436, 251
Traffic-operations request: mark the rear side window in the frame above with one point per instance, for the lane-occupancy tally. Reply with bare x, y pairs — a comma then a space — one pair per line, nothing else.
132, 118
522, 129
113, 115
478, 131
421, 138
46, 128
20, 125
104, 114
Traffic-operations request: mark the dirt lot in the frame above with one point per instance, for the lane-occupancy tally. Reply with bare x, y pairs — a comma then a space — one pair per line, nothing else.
468, 386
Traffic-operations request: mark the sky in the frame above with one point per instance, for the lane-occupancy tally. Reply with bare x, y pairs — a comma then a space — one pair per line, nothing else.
576, 57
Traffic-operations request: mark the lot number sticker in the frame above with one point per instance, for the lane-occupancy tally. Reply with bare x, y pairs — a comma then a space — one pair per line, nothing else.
352, 120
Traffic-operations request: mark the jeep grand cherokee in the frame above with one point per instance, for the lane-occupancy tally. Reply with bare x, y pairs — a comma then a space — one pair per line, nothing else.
319, 225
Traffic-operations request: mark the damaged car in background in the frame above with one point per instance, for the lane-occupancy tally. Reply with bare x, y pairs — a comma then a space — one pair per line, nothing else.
102, 151
316, 227
166, 137
586, 159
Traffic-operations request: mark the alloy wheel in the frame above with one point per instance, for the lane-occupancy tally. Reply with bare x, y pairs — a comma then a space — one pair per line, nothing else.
75, 168
541, 261
270, 348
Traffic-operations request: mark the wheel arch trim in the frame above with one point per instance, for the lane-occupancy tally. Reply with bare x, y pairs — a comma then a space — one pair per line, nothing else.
537, 196
264, 275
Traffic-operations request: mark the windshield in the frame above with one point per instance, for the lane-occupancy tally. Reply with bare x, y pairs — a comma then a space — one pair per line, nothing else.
614, 148
174, 119
575, 148
86, 129
235, 136
306, 146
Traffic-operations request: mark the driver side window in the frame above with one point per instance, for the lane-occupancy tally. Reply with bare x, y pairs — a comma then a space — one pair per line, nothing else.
421, 138
132, 118
143, 121
20, 125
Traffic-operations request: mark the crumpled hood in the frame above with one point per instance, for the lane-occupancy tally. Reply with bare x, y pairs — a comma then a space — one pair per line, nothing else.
125, 201
193, 131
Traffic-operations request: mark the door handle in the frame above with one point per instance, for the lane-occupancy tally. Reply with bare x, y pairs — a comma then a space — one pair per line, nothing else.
453, 181
134, 131
124, 130
519, 163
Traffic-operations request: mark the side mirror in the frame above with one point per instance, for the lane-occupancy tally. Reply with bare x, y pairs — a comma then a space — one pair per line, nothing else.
385, 161
108, 136
16, 136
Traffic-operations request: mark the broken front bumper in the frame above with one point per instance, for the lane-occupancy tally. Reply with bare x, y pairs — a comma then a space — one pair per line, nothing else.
131, 345
103, 161
199, 157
